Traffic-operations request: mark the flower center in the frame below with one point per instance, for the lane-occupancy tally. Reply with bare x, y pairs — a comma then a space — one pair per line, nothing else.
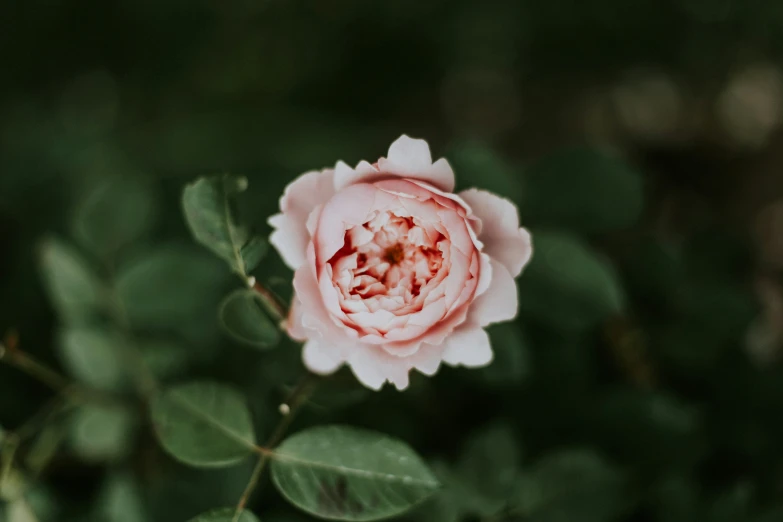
387, 263
394, 255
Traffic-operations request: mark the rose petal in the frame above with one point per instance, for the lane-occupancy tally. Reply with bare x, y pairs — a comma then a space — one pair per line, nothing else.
503, 239
319, 358
345, 176
305, 193
499, 303
411, 158
468, 346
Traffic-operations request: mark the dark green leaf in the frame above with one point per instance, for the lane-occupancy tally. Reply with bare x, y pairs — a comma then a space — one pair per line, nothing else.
121, 501
73, 288
489, 468
101, 433
115, 213
243, 317
568, 284
204, 424
95, 357
208, 210
170, 288
346, 473
512, 360
571, 485
582, 189
226, 515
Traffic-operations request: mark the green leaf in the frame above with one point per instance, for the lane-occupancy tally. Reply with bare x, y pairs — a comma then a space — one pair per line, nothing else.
204, 424
512, 358
346, 473
95, 357
208, 210
121, 500
569, 285
243, 317
169, 288
225, 515
101, 433
165, 359
489, 469
571, 485
478, 165
447, 504
45, 447
73, 288
20, 511
582, 189
114, 213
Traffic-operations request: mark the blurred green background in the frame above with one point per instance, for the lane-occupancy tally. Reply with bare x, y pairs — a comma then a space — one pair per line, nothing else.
641, 141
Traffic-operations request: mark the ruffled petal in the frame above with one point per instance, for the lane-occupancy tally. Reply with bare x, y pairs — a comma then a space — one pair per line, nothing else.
499, 303
411, 158
304, 194
503, 239
320, 358
468, 346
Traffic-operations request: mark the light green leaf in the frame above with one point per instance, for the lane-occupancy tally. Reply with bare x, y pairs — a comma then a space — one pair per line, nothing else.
101, 433
346, 473
74, 289
226, 515
488, 469
20, 511
114, 213
204, 424
95, 357
568, 284
170, 288
121, 500
45, 447
571, 485
208, 210
582, 189
243, 317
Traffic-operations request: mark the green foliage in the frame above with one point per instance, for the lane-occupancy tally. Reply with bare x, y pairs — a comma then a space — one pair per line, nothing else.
582, 189
346, 473
226, 515
95, 357
208, 209
115, 213
641, 381
101, 433
572, 485
168, 288
243, 317
569, 285
73, 287
204, 424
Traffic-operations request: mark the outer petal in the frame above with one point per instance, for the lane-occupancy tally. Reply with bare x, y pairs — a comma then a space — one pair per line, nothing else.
499, 303
300, 198
320, 358
468, 346
411, 158
503, 239
373, 367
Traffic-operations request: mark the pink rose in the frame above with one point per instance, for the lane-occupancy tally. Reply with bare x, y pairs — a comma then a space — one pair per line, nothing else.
393, 270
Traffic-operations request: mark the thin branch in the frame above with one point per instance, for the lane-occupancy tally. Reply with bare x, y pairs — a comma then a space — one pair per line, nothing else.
13, 356
289, 409
273, 304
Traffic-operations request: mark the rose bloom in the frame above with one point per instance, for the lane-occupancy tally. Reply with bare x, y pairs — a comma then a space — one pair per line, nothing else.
393, 270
